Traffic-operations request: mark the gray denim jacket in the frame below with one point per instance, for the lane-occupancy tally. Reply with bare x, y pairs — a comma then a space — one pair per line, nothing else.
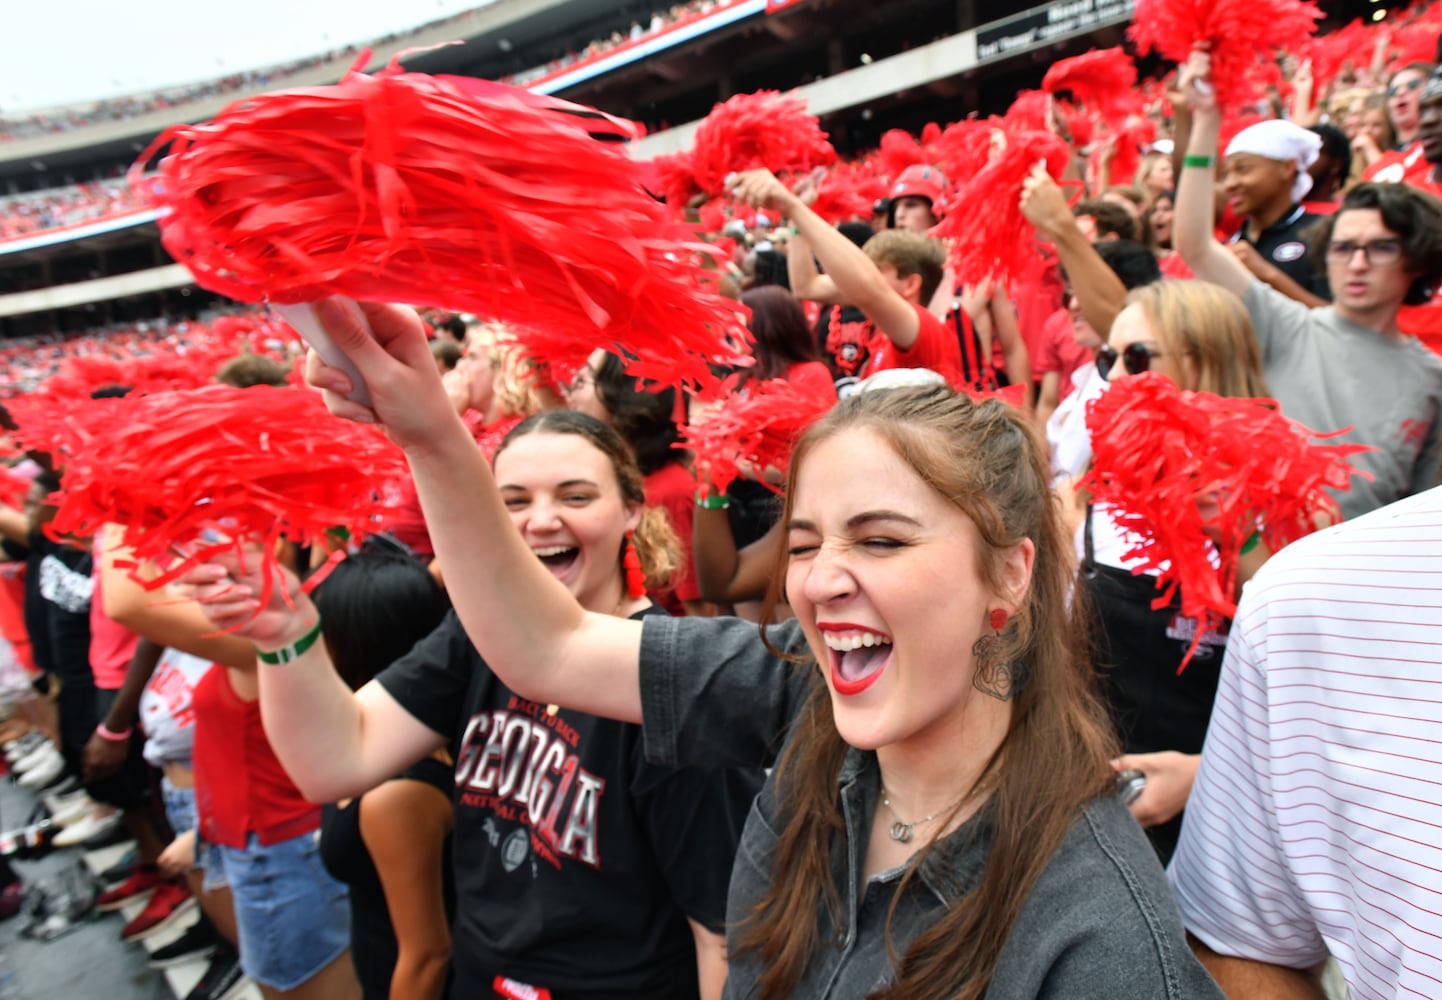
1100, 922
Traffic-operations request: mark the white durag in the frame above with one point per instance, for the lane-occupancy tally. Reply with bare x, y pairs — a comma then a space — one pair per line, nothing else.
1284, 142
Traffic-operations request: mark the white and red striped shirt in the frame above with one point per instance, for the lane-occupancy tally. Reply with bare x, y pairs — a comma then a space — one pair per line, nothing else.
1315, 824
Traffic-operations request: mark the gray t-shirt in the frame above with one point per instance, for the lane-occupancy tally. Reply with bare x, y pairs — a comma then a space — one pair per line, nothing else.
1100, 921
1328, 373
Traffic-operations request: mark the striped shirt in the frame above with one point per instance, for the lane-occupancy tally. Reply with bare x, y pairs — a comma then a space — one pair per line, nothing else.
1315, 824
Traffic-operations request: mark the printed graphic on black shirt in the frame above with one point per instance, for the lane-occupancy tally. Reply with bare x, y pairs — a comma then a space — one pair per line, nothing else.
522, 764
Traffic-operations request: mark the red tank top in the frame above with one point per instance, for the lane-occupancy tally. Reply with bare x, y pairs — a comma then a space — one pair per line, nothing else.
240, 787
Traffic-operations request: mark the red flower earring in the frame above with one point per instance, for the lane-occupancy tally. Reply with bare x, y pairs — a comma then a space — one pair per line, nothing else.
998, 619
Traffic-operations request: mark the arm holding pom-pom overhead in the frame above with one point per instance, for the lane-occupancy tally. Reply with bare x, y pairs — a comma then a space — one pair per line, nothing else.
1098, 290
1193, 234
521, 619
857, 279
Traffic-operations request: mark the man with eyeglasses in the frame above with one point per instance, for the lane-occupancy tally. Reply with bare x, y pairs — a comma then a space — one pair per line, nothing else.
1347, 366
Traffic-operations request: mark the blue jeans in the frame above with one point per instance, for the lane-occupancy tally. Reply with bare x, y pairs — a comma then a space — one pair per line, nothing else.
180, 811
293, 918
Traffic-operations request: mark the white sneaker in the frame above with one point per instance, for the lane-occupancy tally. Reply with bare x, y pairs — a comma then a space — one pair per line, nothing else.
55, 801
89, 826
45, 772
72, 812
16, 749
34, 757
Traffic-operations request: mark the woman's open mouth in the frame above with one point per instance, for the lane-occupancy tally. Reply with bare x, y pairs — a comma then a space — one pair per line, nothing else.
858, 657
558, 558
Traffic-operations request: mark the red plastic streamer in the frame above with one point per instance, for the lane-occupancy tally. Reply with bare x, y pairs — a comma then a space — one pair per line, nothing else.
402, 187
1157, 449
756, 429
1103, 80
206, 470
1242, 34
763, 129
999, 242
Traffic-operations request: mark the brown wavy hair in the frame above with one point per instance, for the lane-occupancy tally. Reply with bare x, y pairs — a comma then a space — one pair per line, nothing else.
1054, 758
656, 543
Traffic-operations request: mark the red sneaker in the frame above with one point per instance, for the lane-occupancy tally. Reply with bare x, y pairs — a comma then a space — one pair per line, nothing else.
137, 887
168, 903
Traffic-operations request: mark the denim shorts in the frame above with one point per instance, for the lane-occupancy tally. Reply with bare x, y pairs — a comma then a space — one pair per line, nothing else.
293, 918
180, 811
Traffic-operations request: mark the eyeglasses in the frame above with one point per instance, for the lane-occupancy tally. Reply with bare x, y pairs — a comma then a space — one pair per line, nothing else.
1407, 87
586, 376
1136, 358
1379, 253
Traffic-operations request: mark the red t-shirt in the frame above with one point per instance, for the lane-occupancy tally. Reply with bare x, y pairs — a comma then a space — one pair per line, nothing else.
240, 787
1060, 352
1399, 166
12, 612
934, 348
673, 488
812, 377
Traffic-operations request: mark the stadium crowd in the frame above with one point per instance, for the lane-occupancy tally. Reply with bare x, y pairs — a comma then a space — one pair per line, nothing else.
910, 700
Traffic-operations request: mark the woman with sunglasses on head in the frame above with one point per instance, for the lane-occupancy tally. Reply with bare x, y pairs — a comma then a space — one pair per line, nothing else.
940, 821
1198, 335
582, 869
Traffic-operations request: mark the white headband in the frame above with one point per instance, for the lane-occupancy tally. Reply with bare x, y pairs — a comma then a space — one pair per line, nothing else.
1282, 141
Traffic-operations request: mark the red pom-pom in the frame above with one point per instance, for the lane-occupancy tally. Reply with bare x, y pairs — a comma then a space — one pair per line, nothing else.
999, 242
755, 429
1157, 450
1242, 35
849, 191
1030, 112
1103, 80
676, 179
1335, 51
763, 129
214, 468
402, 187
898, 150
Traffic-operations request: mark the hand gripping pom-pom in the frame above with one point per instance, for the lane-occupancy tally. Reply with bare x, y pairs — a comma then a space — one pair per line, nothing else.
1242, 35
1103, 80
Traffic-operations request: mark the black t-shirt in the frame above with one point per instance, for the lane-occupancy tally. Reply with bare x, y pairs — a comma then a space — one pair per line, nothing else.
1285, 243
343, 849
576, 861
58, 587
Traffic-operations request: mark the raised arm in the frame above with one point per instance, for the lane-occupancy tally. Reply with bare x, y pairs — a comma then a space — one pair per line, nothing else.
334, 743
1192, 223
521, 619
857, 279
1098, 290
157, 616
725, 574
807, 282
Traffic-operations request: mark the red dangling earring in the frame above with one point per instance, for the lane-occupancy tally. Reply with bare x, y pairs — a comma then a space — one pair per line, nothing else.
635, 577
998, 619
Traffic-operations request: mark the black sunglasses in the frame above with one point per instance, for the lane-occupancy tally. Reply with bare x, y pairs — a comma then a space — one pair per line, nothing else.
1136, 358
1410, 86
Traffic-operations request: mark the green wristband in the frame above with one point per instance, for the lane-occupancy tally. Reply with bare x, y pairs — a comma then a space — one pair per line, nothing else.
713, 501
292, 652
1193, 160
1251, 543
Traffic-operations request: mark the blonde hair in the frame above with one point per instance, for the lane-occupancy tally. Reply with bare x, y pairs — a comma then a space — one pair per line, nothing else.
1210, 325
522, 387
